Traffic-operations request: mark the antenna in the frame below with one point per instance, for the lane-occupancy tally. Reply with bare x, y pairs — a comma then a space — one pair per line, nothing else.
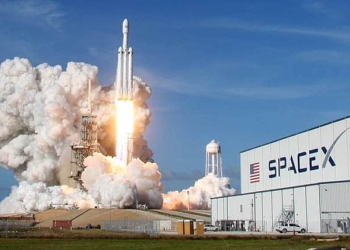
89, 97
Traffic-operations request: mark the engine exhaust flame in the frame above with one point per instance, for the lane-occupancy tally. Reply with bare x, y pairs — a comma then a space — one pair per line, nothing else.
125, 129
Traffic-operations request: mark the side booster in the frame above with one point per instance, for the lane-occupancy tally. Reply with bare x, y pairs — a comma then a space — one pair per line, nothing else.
124, 81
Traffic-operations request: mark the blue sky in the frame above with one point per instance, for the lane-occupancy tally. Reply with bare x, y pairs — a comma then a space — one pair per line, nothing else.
241, 72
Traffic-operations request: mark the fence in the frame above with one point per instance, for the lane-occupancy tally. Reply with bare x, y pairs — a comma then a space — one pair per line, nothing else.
16, 223
242, 225
151, 227
335, 226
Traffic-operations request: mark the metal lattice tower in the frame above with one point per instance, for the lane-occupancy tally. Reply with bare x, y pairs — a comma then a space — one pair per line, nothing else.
86, 147
213, 162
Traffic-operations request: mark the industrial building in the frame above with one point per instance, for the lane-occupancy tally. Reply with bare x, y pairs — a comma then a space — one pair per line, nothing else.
303, 178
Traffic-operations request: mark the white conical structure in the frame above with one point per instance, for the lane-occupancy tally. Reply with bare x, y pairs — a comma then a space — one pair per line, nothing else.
213, 162
123, 84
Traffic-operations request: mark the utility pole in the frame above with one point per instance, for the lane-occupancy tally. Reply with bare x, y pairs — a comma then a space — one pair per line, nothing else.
188, 198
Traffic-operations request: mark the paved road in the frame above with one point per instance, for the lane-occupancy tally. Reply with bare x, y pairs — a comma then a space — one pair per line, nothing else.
319, 236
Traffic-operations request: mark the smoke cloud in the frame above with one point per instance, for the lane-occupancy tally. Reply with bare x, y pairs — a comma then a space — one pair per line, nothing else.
40, 114
198, 196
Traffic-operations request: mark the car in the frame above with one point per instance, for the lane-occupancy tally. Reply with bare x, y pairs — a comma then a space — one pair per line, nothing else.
290, 227
209, 227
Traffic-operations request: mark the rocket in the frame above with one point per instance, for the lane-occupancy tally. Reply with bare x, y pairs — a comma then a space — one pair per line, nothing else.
123, 85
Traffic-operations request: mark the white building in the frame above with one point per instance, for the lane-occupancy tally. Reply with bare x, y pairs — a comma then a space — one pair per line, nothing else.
303, 178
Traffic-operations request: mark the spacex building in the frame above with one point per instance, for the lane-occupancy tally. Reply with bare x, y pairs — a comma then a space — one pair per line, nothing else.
302, 179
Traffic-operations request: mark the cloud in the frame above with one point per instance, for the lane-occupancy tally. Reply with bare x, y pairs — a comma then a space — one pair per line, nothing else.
232, 172
331, 115
168, 174
4, 192
93, 51
256, 90
101, 54
282, 91
320, 8
227, 23
329, 56
177, 84
39, 10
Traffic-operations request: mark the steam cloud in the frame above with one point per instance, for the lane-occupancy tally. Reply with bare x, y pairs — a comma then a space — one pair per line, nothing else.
40, 112
198, 196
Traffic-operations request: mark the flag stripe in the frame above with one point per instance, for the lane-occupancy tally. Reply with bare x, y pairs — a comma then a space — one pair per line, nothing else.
254, 172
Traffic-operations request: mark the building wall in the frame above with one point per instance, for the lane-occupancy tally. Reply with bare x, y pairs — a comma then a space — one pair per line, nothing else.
241, 209
300, 205
267, 206
277, 199
308, 171
313, 208
330, 193
313, 156
323, 207
313, 205
214, 209
219, 208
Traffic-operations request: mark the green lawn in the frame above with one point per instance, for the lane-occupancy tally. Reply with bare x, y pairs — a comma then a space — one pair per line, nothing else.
52, 239
167, 243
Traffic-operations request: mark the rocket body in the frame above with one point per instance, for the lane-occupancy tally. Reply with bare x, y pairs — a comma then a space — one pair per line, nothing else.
124, 91
123, 85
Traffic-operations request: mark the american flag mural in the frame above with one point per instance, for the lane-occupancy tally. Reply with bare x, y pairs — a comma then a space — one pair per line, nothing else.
254, 172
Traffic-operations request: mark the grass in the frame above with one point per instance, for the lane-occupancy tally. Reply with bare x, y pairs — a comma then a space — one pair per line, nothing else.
99, 239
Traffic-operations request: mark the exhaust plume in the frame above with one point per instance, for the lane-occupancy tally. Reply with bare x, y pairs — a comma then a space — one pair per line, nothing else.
40, 112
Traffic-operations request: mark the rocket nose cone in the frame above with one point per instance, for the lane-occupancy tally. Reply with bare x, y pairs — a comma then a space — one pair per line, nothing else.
125, 26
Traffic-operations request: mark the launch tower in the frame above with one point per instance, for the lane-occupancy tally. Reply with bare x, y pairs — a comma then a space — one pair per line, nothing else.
213, 162
87, 145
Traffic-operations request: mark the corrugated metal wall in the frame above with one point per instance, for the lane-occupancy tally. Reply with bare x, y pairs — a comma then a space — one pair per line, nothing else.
313, 206
314, 156
330, 194
300, 205
308, 171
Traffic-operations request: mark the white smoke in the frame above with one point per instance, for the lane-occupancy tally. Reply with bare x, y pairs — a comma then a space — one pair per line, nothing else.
31, 197
198, 196
121, 187
40, 112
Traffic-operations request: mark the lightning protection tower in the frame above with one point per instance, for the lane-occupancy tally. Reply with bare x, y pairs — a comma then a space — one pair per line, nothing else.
213, 162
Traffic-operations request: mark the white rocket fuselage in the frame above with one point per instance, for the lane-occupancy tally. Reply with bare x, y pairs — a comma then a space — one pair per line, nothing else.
124, 88
124, 91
